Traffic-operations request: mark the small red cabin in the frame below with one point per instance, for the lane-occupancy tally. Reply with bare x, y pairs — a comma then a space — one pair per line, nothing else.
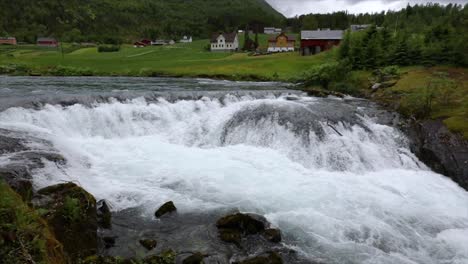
47, 42
8, 41
316, 41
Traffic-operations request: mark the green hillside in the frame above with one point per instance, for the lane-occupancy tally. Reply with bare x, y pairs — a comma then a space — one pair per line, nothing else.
126, 20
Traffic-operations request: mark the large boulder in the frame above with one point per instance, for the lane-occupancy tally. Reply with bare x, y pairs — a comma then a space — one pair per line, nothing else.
71, 213
443, 151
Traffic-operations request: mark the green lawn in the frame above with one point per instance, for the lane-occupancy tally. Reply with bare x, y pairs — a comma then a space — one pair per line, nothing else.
178, 60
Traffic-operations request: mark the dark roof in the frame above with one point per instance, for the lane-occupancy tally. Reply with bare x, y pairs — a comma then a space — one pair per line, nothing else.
230, 37
46, 39
274, 37
322, 34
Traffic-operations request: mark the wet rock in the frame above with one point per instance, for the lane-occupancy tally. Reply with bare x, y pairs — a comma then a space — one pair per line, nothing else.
108, 242
166, 208
272, 235
443, 151
232, 227
104, 215
10, 144
196, 258
166, 257
35, 159
269, 258
71, 213
19, 179
149, 244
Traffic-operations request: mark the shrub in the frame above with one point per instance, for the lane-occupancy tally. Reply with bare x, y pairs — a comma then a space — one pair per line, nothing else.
326, 73
108, 48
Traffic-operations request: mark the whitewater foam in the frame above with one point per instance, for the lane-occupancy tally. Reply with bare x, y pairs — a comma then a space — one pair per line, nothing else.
344, 191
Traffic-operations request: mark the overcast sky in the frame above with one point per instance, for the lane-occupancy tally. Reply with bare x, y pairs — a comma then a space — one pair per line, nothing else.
297, 7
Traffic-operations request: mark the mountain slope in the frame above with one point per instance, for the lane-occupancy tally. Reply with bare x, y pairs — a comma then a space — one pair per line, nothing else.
114, 20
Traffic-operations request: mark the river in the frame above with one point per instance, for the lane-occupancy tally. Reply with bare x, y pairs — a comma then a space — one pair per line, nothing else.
333, 174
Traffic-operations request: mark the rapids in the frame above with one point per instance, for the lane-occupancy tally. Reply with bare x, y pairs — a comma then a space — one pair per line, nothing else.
339, 182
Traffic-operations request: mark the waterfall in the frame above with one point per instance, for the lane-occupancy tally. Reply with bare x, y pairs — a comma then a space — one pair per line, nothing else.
343, 187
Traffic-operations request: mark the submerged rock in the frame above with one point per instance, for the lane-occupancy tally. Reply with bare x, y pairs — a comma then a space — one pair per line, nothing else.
166, 208
71, 213
196, 258
108, 242
268, 258
149, 244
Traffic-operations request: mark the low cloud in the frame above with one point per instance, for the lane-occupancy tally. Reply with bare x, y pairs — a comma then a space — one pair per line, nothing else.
298, 7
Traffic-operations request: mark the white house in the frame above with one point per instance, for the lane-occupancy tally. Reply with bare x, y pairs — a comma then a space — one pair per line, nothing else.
272, 30
186, 39
225, 42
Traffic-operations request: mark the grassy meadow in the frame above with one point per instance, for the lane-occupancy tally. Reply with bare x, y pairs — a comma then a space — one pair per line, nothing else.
182, 59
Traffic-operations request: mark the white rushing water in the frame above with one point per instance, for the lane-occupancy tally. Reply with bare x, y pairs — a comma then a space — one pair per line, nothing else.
354, 194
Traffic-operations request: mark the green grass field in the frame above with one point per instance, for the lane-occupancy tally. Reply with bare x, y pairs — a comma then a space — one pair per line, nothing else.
189, 59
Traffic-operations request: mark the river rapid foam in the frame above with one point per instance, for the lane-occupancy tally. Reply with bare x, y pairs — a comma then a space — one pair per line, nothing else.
342, 187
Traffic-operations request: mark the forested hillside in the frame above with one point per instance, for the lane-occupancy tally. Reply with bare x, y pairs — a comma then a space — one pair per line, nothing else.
124, 20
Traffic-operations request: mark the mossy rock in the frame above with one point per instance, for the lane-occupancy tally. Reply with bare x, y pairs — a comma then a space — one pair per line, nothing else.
166, 257
149, 244
71, 213
233, 227
246, 224
270, 258
166, 208
196, 258
24, 236
20, 180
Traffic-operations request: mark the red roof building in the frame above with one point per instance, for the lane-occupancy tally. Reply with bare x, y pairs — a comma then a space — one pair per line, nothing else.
316, 41
47, 42
8, 41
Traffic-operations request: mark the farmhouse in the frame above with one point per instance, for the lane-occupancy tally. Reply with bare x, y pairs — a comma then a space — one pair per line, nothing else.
186, 39
47, 42
281, 43
224, 42
316, 41
272, 30
8, 41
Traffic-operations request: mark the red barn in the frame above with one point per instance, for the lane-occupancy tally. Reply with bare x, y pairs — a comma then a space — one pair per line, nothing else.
147, 42
316, 41
8, 41
47, 42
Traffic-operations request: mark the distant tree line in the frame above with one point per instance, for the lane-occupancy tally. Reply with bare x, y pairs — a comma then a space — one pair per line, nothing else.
115, 21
